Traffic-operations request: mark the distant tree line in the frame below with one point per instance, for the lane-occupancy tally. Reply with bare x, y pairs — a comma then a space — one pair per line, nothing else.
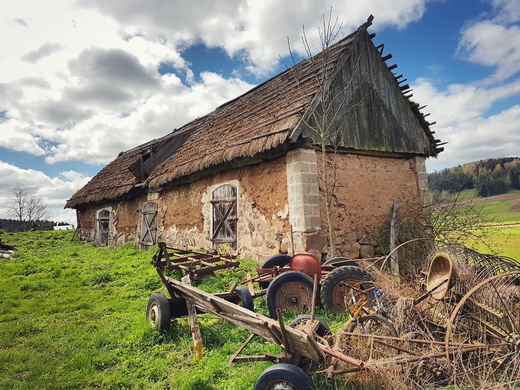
14, 225
490, 177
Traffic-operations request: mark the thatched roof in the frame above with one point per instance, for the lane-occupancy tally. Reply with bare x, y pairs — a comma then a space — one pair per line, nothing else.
259, 121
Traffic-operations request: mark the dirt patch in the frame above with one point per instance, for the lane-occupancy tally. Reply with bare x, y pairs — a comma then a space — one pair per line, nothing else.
498, 198
515, 208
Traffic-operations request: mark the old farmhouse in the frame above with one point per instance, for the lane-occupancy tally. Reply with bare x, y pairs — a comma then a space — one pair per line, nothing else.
249, 176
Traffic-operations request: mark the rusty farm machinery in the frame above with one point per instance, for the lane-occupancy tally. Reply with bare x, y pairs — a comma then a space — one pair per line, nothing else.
471, 310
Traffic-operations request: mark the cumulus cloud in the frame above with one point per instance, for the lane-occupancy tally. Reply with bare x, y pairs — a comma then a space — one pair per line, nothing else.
43, 51
461, 121
250, 29
494, 41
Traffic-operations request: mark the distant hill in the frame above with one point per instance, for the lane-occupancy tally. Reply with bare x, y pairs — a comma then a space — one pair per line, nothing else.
489, 177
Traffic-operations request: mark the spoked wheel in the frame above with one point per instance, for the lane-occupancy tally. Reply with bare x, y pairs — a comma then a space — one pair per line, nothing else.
158, 312
343, 287
365, 338
290, 291
483, 334
284, 376
322, 329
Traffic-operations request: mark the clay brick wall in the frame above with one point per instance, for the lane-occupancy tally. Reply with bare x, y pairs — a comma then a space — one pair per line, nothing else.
262, 226
366, 188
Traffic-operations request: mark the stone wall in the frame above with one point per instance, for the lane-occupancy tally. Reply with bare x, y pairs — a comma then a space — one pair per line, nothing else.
185, 213
262, 224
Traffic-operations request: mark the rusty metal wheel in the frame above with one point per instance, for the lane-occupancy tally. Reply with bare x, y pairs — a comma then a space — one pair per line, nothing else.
483, 334
343, 287
290, 291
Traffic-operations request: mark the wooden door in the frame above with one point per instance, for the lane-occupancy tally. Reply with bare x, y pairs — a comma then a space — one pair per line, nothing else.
103, 226
224, 201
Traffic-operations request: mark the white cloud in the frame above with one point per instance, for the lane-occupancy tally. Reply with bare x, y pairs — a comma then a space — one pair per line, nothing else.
461, 121
490, 44
494, 40
80, 80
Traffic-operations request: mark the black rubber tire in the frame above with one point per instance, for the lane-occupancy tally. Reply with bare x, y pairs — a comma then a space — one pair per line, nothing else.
275, 261
246, 299
282, 292
341, 261
291, 376
322, 330
350, 275
158, 312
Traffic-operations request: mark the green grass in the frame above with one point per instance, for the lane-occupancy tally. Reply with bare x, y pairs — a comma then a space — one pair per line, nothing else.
502, 236
502, 241
73, 316
499, 211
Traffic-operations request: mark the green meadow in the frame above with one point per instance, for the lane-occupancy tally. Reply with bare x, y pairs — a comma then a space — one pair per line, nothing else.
73, 316
503, 231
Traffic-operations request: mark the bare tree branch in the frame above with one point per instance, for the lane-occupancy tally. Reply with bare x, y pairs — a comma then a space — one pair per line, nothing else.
24, 206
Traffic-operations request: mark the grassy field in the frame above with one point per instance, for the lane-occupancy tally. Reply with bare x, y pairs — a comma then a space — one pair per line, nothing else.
503, 231
73, 316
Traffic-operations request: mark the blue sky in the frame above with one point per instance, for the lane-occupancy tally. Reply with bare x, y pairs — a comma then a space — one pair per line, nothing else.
83, 80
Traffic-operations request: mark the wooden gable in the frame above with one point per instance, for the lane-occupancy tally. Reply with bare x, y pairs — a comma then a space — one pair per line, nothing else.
363, 108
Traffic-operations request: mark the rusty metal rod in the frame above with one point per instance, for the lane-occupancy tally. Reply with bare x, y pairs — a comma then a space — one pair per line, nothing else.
341, 356
314, 297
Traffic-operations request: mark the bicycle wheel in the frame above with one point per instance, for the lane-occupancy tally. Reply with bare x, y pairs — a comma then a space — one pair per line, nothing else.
366, 338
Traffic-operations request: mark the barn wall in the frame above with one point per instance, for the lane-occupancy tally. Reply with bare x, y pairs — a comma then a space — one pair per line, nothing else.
366, 188
185, 214
124, 220
262, 226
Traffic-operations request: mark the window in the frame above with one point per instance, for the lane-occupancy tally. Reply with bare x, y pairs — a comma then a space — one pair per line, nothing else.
224, 202
149, 226
103, 226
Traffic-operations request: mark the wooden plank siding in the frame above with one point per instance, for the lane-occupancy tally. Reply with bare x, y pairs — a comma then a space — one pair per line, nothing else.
367, 107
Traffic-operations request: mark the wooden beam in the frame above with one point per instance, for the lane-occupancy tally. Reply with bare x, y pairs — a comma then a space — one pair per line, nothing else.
194, 324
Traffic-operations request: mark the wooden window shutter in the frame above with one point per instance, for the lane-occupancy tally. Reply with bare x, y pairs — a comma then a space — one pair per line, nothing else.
224, 202
149, 226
